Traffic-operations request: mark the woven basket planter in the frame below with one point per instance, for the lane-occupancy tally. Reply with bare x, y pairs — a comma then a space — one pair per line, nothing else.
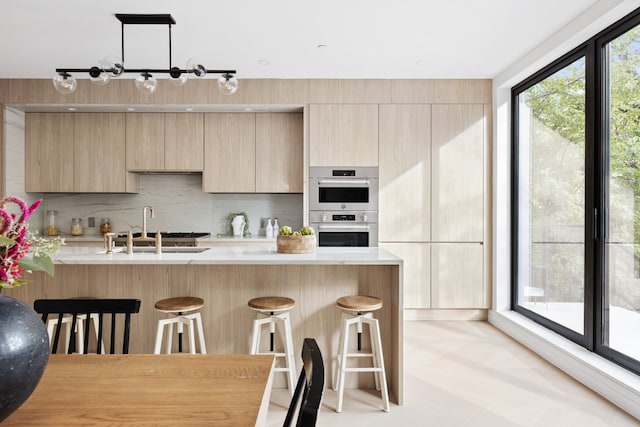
296, 244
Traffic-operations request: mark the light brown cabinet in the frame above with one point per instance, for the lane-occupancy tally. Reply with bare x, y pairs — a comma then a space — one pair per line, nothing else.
249, 153
343, 135
165, 142
457, 275
279, 158
49, 152
458, 175
229, 153
76, 152
405, 173
433, 197
99, 164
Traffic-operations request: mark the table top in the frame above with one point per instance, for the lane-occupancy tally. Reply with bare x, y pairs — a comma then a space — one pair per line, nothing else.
150, 390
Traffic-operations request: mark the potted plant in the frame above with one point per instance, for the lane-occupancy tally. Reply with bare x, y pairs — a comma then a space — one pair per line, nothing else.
296, 242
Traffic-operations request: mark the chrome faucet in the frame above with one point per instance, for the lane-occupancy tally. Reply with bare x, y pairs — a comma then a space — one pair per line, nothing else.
144, 220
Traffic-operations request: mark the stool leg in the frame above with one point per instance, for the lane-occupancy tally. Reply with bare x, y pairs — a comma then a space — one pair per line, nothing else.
192, 338
337, 359
95, 318
257, 330
368, 319
288, 350
374, 327
342, 364
79, 332
179, 334
170, 336
203, 347
159, 333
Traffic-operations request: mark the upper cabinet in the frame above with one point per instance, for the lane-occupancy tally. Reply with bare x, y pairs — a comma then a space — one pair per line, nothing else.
230, 153
343, 135
49, 152
279, 158
165, 142
99, 154
405, 173
248, 153
458, 175
76, 152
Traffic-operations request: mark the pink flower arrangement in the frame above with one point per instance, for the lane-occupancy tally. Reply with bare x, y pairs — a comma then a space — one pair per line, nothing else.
17, 255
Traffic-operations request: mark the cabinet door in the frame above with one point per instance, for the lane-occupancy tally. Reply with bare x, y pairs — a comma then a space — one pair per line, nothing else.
99, 153
458, 181
416, 273
184, 142
230, 153
279, 157
145, 141
457, 277
49, 152
405, 173
343, 135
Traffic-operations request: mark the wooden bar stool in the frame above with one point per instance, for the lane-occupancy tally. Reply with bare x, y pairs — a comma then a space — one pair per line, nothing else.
180, 308
272, 310
356, 310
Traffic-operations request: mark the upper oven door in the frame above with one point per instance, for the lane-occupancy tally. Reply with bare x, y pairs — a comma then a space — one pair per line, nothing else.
335, 194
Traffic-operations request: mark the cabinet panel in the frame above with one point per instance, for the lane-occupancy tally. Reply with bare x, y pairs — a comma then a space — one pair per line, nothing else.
279, 158
230, 161
49, 152
405, 172
343, 135
184, 141
457, 157
417, 276
457, 278
145, 141
99, 153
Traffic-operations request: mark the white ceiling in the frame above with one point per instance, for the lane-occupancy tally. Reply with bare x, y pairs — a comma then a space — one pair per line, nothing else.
363, 38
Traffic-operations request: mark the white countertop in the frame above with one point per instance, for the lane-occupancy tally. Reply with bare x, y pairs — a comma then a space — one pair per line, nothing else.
229, 255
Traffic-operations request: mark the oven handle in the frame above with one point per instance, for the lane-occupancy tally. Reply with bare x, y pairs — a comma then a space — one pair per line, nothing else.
343, 227
344, 181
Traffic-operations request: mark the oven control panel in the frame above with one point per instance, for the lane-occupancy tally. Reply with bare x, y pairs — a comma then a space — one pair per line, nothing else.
352, 217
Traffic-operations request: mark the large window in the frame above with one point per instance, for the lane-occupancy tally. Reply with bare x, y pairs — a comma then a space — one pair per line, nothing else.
576, 199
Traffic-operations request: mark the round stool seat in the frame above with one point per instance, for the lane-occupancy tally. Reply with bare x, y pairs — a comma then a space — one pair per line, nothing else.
271, 304
359, 303
179, 304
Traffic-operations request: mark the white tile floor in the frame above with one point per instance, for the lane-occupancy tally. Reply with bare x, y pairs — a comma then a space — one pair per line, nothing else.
468, 373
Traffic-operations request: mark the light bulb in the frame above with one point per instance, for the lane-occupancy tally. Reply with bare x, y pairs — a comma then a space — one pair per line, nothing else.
227, 84
177, 77
98, 76
146, 83
112, 65
195, 69
65, 83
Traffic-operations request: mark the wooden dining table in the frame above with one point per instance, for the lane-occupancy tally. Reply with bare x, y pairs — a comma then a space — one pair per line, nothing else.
150, 390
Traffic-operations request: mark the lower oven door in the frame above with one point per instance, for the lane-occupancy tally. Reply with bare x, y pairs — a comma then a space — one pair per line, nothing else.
346, 235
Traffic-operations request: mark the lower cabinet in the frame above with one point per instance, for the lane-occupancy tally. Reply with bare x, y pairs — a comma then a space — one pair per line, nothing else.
442, 275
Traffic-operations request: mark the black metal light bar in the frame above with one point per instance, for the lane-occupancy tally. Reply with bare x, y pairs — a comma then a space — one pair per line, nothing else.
145, 19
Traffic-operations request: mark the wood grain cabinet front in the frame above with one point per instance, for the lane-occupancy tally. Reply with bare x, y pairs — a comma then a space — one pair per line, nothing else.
165, 142
76, 152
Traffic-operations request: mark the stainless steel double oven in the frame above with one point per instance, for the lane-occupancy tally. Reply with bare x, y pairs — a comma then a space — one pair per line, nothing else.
343, 205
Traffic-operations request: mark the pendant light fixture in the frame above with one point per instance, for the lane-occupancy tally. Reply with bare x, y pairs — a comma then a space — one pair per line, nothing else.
112, 67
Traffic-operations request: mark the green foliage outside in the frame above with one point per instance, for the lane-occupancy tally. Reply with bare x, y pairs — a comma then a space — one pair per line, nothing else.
557, 152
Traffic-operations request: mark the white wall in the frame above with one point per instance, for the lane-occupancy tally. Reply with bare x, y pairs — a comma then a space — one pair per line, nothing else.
611, 381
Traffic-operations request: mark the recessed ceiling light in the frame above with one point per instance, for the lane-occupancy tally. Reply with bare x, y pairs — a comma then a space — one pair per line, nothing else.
422, 62
71, 109
264, 62
131, 109
188, 109
248, 109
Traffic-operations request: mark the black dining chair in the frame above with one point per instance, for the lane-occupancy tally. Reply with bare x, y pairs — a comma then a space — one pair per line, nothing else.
307, 397
87, 307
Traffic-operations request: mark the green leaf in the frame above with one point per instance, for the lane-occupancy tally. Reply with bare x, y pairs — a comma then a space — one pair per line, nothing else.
4, 240
37, 262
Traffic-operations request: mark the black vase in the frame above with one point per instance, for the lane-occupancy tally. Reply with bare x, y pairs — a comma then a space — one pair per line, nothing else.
24, 352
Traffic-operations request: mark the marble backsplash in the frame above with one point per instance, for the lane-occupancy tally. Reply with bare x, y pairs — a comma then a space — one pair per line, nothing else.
178, 204
178, 201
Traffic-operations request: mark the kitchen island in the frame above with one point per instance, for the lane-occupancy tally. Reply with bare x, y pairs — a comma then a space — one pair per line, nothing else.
226, 278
